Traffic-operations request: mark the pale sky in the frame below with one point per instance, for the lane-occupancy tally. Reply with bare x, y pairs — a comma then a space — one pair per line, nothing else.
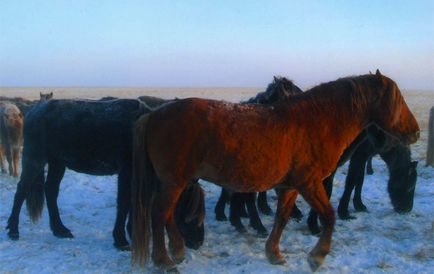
213, 43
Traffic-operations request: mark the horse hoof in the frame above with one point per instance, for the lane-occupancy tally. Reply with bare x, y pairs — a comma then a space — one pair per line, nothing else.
122, 247
241, 230
316, 231
14, 236
63, 234
221, 218
263, 234
266, 211
315, 262
345, 216
361, 208
277, 260
173, 270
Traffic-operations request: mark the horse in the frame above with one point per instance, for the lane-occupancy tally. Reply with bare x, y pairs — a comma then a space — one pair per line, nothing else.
92, 137
279, 88
290, 145
11, 136
401, 184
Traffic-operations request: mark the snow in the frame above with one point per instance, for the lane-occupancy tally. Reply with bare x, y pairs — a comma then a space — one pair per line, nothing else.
380, 241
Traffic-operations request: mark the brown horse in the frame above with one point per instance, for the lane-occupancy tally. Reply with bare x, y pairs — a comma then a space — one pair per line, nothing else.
11, 136
290, 145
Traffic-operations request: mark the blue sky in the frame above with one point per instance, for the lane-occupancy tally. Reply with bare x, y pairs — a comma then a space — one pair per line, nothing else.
213, 43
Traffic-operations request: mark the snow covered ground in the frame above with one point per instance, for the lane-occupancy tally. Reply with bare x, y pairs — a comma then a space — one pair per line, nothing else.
376, 242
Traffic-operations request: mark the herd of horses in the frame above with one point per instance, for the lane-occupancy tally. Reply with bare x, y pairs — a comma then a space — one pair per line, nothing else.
282, 139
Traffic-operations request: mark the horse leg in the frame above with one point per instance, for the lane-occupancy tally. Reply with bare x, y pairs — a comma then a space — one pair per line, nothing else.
9, 158
16, 156
356, 171
32, 170
236, 207
263, 206
296, 213
285, 203
255, 221
220, 205
163, 208
312, 220
317, 199
54, 177
369, 169
123, 207
357, 199
2, 160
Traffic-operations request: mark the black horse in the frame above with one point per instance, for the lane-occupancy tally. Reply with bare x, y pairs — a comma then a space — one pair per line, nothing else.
93, 137
401, 184
280, 88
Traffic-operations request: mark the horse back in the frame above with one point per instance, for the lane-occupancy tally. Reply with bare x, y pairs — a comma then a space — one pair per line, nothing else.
224, 143
87, 136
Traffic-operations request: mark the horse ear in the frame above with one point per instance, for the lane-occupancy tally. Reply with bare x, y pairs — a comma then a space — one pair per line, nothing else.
378, 73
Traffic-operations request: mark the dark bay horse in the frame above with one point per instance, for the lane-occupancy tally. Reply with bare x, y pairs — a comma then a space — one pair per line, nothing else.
92, 137
290, 145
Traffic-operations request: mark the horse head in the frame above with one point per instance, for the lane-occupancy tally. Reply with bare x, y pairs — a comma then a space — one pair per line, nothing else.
190, 215
390, 111
45, 96
280, 89
402, 177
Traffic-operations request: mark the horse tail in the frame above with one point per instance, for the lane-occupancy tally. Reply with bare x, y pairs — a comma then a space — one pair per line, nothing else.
35, 198
143, 189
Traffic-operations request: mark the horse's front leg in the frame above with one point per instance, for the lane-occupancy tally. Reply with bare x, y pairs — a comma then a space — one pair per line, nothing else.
123, 207
285, 203
314, 193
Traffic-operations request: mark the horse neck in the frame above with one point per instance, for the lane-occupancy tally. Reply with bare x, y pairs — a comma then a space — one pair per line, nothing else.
335, 111
396, 157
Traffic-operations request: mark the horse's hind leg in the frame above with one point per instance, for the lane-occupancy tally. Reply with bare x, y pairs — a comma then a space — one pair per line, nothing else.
16, 156
219, 209
2, 161
32, 170
263, 203
369, 169
163, 208
54, 177
123, 207
237, 206
285, 203
312, 220
317, 199
255, 221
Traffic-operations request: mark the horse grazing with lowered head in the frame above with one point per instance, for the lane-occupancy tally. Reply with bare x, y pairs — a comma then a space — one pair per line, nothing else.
11, 136
92, 137
290, 145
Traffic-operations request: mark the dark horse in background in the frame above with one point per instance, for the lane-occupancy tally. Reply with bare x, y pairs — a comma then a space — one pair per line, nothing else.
401, 183
290, 145
279, 89
92, 137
